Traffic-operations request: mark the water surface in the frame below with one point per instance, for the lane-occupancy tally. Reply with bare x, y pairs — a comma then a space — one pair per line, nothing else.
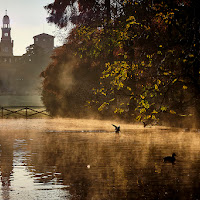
85, 159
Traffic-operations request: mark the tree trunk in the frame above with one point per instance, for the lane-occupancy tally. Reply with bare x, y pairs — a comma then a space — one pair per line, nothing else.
108, 13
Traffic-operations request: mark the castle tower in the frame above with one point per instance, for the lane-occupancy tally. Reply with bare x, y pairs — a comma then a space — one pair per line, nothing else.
6, 47
44, 41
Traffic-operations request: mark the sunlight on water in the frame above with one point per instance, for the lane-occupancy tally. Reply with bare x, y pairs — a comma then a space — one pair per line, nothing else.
85, 159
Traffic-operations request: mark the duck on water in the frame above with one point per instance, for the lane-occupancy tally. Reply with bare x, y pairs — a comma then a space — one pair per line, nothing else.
170, 159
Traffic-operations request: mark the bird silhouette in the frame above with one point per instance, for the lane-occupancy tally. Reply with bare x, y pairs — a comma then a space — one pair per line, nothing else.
170, 159
145, 124
117, 128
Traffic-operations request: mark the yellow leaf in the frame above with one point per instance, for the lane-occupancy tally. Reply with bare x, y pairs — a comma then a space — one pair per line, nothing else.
185, 87
163, 108
142, 63
128, 88
156, 86
172, 112
154, 111
138, 118
174, 80
184, 60
148, 116
142, 96
131, 18
159, 82
159, 52
143, 110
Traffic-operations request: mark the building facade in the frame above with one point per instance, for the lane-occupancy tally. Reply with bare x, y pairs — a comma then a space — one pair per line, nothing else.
14, 70
44, 41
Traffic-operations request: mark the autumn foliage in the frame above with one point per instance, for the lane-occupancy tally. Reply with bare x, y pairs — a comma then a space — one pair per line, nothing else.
144, 54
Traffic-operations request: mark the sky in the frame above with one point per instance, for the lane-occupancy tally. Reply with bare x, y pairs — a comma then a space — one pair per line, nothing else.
27, 19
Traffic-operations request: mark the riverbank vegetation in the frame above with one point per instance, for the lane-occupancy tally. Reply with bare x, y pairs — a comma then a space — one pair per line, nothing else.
138, 60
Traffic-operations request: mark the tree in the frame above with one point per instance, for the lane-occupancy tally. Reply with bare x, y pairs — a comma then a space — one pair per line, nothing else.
148, 53
163, 70
68, 83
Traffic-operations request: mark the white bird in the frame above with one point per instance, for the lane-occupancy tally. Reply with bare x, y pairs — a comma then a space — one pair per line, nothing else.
117, 128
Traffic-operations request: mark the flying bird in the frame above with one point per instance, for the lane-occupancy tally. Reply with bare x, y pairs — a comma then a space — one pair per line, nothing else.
170, 159
117, 128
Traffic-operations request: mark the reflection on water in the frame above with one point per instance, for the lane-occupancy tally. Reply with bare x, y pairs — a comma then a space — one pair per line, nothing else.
99, 164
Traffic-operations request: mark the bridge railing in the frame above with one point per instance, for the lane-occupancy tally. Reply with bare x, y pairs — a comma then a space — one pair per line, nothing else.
23, 112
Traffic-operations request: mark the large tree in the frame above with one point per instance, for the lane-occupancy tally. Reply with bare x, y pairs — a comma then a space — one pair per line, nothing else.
85, 12
148, 52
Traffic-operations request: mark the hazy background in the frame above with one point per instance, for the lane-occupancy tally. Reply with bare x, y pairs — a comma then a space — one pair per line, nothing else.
27, 19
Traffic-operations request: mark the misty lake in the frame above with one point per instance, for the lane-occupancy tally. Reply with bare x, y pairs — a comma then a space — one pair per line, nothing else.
85, 159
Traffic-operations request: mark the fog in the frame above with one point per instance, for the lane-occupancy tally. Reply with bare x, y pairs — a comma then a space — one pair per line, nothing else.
85, 159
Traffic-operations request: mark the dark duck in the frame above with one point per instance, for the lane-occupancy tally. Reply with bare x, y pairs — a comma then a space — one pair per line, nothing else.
170, 159
117, 128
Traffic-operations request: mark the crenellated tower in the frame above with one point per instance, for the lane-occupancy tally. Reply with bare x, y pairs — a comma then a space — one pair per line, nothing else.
6, 46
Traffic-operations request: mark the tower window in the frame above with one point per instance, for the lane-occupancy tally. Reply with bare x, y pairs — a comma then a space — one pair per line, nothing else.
36, 39
6, 34
5, 26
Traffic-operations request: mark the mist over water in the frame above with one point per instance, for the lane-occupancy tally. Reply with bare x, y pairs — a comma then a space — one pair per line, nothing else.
17, 100
85, 159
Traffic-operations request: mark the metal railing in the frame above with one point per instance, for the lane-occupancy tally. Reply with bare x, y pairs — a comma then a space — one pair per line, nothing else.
23, 111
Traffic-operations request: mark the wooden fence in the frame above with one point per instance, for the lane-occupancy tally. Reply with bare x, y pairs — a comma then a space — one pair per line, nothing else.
23, 112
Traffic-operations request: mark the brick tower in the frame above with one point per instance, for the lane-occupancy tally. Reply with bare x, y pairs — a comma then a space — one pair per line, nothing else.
6, 46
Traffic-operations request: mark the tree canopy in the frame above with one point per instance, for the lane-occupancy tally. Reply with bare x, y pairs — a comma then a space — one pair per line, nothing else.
146, 53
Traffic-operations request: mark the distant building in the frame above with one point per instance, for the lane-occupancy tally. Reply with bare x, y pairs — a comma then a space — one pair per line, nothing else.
44, 41
14, 70
6, 44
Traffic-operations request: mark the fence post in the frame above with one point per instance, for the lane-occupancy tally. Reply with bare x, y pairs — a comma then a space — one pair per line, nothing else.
26, 113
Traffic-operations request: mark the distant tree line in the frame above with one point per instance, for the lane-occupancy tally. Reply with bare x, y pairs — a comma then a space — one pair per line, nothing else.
137, 59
